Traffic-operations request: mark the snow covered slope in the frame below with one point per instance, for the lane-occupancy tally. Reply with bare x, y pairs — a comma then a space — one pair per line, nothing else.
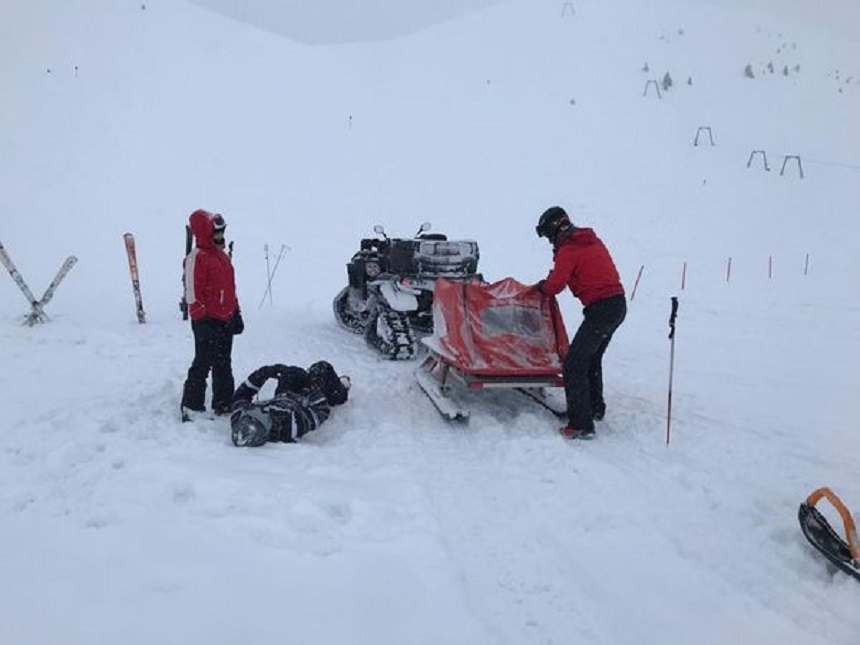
340, 21
120, 524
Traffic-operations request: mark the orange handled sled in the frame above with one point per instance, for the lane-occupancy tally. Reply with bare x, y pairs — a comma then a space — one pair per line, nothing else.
848, 522
845, 555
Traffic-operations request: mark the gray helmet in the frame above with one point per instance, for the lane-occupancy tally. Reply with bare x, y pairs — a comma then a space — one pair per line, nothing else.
251, 427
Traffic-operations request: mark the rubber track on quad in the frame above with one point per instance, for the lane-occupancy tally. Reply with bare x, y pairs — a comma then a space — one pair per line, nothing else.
401, 343
346, 318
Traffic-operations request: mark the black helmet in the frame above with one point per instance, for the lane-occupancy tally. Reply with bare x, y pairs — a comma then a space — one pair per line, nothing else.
251, 427
218, 222
552, 222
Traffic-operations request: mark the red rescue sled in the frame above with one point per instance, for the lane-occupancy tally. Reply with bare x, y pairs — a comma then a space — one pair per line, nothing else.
499, 335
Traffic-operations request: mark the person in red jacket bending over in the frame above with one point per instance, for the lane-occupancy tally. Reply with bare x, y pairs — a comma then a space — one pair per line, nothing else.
582, 263
210, 291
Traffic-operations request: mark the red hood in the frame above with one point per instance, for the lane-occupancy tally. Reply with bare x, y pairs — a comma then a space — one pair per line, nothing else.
203, 228
576, 237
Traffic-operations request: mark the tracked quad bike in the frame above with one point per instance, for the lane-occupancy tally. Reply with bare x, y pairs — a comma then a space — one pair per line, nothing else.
389, 297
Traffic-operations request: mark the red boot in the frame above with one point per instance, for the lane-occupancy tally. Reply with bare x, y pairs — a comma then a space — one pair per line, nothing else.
572, 433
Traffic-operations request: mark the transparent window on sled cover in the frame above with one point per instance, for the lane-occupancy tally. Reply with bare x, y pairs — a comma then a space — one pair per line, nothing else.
511, 319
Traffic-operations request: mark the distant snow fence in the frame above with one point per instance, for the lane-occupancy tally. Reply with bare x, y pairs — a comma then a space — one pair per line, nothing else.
756, 153
704, 129
789, 161
728, 272
785, 160
656, 85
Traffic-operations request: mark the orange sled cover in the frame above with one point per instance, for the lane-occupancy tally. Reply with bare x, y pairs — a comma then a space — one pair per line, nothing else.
499, 329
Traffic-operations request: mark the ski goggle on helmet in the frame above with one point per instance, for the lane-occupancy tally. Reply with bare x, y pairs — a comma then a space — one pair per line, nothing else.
552, 221
251, 427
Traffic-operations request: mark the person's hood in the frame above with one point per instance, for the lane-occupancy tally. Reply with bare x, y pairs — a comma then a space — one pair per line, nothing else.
576, 236
583, 236
203, 227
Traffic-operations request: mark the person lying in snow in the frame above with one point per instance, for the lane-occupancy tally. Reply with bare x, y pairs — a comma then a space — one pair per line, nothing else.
302, 402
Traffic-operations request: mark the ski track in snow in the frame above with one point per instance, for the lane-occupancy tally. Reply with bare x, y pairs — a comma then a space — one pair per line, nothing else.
535, 530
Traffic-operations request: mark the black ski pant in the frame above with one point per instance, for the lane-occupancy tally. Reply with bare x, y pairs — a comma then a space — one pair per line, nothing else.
213, 346
583, 366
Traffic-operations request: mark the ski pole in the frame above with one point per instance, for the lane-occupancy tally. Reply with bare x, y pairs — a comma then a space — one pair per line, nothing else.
672, 318
189, 242
268, 291
268, 274
636, 284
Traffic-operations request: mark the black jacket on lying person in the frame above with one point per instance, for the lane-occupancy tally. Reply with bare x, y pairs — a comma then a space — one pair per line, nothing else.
302, 402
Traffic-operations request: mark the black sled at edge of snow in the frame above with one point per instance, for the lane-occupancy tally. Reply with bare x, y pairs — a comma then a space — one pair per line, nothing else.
843, 554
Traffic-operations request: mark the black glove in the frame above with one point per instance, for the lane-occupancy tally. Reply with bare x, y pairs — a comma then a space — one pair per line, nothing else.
237, 325
323, 376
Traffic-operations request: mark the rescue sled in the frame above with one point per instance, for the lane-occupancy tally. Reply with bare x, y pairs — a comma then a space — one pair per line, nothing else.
499, 335
844, 554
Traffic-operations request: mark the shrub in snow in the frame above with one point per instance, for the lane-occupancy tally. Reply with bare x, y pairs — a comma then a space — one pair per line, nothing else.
748, 71
666, 82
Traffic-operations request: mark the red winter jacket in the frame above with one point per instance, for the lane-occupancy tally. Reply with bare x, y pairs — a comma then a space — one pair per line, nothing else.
582, 262
210, 285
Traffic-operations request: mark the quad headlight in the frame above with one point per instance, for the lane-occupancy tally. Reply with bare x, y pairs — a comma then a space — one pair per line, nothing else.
372, 269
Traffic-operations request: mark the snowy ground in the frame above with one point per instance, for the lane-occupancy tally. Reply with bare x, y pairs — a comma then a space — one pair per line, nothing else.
120, 524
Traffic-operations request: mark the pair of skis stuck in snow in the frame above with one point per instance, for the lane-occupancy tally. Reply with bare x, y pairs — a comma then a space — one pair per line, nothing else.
37, 306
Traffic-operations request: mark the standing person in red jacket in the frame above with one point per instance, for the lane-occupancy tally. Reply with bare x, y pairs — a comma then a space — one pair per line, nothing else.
582, 263
210, 291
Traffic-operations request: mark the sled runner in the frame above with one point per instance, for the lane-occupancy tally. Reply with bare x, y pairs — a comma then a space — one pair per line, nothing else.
844, 554
500, 335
